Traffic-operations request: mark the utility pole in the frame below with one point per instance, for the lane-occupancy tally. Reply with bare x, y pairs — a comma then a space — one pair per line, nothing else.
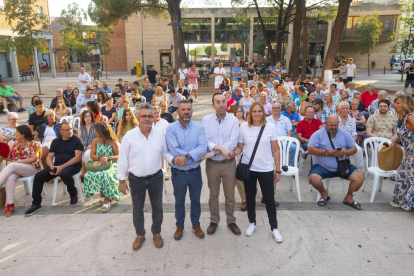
142, 49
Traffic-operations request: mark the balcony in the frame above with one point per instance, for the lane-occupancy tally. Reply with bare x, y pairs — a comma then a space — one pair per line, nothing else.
350, 34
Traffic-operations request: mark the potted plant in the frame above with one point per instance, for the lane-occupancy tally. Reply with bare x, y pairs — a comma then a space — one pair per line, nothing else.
134, 71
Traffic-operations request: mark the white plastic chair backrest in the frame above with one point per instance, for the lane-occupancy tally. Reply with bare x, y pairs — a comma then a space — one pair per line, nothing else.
67, 118
105, 118
143, 99
109, 94
285, 143
76, 120
375, 144
376, 111
70, 111
297, 105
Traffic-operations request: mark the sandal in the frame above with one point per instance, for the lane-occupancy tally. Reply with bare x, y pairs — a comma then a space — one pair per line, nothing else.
393, 204
9, 210
106, 207
322, 202
406, 209
354, 205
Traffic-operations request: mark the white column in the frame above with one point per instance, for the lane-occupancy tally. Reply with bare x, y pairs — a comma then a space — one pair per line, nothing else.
328, 39
288, 50
52, 58
251, 38
213, 39
14, 66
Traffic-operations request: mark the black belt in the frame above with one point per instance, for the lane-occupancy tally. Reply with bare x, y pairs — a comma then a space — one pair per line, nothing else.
147, 176
187, 171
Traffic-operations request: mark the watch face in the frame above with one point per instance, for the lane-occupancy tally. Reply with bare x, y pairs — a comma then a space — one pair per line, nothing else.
187, 156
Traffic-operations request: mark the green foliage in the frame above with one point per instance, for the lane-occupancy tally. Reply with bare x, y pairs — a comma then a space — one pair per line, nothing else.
194, 52
372, 3
224, 47
405, 43
207, 50
27, 24
370, 29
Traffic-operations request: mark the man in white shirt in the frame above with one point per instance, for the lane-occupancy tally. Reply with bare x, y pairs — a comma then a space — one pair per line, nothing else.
350, 71
351, 90
219, 73
222, 132
83, 80
183, 73
82, 100
140, 154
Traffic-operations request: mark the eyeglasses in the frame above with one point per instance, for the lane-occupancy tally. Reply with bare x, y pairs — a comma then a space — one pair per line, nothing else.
68, 129
145, 117
275, 108
13, 119
221, 102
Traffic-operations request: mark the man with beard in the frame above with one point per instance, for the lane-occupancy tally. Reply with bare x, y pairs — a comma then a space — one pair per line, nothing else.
382, 124
325, 163
186, 140
222, 133
320, 113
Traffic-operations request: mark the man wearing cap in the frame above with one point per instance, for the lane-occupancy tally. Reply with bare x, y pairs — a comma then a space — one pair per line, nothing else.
351, 90
174, 99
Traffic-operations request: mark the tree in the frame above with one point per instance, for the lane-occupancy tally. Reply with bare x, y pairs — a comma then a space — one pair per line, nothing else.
194, 53
224, 47
207, 50
369, 31
72, 36
28, 24
341, 17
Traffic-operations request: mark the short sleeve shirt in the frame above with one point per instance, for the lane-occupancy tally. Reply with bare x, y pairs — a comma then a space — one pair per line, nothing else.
350, 70
236, 70
152, 74
6, 92
277, 77
283, 125
168, 71
410, 74
65, 149
382, 126
367, 99
251, 71
350, 126
192, 73
183, 73
342, 69
219, 78
307, 129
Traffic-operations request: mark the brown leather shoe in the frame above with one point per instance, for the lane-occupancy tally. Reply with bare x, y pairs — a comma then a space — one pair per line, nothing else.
277, 203
199, 233
158, 241
178, 233
212, 228
138, 243
234, 229
244, 207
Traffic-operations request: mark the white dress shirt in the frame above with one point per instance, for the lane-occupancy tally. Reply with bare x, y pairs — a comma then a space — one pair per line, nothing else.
141, 156
162, 125
223, 133
83, 77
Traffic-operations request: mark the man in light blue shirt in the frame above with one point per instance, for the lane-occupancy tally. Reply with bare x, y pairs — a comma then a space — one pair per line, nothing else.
222, 133
105, 88
236, 71
82, 100
187, 140
277, 71
325, 160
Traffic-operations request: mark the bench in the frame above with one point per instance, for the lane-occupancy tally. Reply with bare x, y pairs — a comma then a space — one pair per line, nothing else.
26, 74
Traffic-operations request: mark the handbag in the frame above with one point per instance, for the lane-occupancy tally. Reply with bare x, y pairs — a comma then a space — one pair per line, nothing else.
390, 159
96, 166
243, 170
360, 128
343, 165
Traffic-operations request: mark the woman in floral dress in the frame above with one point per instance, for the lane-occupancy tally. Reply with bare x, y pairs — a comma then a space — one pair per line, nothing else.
404, 186
105, 147
360, 121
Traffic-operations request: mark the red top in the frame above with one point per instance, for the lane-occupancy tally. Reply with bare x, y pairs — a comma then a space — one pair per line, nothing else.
229, 104
307, 129
96, 115
367, 99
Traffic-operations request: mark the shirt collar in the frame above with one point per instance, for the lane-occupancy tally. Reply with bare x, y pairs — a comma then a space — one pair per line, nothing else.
225, 115
188, 125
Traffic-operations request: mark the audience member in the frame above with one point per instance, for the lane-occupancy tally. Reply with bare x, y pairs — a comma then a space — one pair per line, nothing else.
302, 95
82, 100
246, 101
59, 94
164, 114
61, 110
382, 94
159, 122
105, 88
159, 96
351, 89
69, 95
254, 82
101, 99
8, 132
340, 85
83, 80
267, 106
109, 111
117, 92
231, 103
307, 102
253, 94
306, 82
292, 116
174, 99
86, 133
126, 87
238, 95
360, 121
368, 96
128, 122
330, 105
125, 105
361, 107
193, 75
320, 113
334, 92
46, 133
318, 92
148, 93
250, 73
306, 128
152, 77
32, 108
382, 124
37, 118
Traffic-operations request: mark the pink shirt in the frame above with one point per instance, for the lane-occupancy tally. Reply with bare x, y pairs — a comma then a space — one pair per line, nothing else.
192, 73
268, 109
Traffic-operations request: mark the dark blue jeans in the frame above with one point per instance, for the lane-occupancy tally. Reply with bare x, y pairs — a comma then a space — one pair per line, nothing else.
181, 180
172, 109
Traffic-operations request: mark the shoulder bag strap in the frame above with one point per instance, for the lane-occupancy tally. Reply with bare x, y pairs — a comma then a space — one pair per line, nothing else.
256, 145
333, 147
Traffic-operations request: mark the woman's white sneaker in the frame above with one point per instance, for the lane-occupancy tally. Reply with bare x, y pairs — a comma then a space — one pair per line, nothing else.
277, 236
250, 229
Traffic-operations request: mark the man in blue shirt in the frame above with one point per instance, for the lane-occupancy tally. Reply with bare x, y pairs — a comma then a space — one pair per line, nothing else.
187, 140
293, 117
277, 71
325, 160
105, 88
236, 71
148, 92
237, 95
392, 61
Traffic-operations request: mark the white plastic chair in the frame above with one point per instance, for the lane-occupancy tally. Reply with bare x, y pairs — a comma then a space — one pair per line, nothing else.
77, 180
76, 120
28, 184
70, 111
326, 185
109, 94
297, 105
372, 167
67, 118
284, 145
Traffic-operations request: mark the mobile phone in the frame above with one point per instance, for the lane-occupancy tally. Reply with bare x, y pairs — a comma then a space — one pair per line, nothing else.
339, 149
54, 170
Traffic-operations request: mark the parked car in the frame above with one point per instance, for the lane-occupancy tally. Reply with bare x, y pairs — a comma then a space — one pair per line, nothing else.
398, 65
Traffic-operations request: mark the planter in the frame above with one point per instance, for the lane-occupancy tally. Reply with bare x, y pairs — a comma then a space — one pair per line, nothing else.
134, 71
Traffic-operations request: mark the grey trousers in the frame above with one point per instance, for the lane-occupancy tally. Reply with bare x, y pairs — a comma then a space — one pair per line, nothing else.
138, 187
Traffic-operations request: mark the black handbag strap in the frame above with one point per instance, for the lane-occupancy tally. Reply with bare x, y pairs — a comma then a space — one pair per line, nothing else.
256, 145
333, 147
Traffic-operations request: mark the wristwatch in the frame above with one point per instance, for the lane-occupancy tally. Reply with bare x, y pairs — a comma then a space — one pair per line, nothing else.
187, 156
172, 161
109, 158
99, 158
215, 152
278, 172
326, 152
343, 156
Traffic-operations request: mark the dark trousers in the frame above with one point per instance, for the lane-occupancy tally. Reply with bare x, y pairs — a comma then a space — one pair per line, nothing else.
172, 109
139, 187
181, 180
44, 176
266, 185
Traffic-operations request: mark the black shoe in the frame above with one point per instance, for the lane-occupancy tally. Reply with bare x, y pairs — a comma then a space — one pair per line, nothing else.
21, 110
73, 200
33, 209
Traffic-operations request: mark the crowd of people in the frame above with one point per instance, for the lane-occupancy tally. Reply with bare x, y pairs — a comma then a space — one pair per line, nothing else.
132, 132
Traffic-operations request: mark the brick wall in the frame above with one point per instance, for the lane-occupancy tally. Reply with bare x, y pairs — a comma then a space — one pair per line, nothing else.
117, 59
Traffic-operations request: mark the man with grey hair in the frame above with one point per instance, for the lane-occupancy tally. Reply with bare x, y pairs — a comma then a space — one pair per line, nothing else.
351, 90
398, 94
382, 94
318, 92
361, 107
293, 116
237, 95
59, 94
140, 155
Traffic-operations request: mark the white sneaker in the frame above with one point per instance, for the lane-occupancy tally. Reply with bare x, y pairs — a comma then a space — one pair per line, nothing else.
277, 236
5, 110
250, 230
196, 101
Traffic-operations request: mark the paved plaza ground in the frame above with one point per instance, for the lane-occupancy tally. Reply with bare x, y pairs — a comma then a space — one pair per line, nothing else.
335, 240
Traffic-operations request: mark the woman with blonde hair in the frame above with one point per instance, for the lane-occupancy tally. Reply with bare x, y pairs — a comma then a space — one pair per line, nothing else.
323, 89
105, 148
330, 105
261, 168
246, 101
404, 185
159, 96
61, 110
128, 122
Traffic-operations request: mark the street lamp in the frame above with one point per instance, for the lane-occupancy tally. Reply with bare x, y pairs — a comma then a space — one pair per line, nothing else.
176, 23
316, 48
283, 32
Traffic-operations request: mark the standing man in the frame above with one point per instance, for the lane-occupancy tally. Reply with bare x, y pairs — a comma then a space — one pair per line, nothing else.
82, 100
183, 71
342, 70
83, 80
350, 71
222, 132
250, 73
392, 61
152, 76
186, 140
7, 92
219, 73
277, 71
368, 96
169, 73
140, 154
193, 75
409, 80
236, 71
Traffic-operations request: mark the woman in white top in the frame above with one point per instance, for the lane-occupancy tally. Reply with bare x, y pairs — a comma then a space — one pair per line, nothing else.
330, 105
262, 165
8, 132
246, 101
46, 133
324, 90
159, 96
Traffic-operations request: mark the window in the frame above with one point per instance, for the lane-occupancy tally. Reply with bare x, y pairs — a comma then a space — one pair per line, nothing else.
387, 25
196, 29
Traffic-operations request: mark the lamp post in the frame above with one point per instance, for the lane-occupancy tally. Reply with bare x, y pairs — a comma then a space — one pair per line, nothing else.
142, 48
176, 23
318, 22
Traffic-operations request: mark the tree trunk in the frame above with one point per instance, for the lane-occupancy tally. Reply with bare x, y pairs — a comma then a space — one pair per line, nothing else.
304, 41
106, 69
369, 73
175, 13
266, 38
342, 15
279, 41
297, 28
